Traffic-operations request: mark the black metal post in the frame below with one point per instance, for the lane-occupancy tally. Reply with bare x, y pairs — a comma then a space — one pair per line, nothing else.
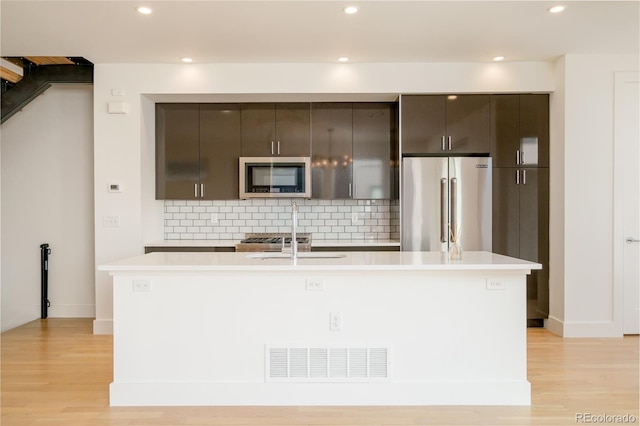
45, 251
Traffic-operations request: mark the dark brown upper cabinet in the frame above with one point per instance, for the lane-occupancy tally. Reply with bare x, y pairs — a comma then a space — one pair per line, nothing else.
373, 148
177, 151
354, 145
520, 130
332, 156
220, 136
197, 150
441, 124
270, 129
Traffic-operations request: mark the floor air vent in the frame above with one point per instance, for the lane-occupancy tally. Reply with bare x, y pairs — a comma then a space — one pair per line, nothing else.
322, 364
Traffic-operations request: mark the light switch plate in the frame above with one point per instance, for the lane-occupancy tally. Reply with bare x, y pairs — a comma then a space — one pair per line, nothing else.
111, 221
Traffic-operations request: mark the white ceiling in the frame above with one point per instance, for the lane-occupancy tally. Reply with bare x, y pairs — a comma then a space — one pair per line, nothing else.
316, 31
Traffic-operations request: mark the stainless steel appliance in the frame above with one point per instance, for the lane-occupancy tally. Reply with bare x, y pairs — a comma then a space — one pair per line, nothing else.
275, 177
273, 242
445, 196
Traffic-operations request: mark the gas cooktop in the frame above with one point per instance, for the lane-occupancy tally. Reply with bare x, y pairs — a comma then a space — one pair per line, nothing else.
273, 242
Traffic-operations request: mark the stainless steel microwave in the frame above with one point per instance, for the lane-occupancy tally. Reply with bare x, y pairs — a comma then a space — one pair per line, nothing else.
286, 177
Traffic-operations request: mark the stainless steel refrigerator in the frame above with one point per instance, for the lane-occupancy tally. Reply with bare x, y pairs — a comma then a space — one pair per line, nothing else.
442, 196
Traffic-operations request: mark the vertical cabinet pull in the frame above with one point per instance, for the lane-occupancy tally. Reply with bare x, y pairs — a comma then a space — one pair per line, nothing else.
197, 194
445, 143
517, 177
271, 147
443, 210
349, 189
517, 157
278, 147
524, 177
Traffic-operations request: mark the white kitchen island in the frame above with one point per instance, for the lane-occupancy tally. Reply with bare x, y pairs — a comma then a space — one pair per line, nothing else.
368, 328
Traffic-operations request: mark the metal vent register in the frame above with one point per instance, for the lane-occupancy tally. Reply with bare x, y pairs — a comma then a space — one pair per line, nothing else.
322, 364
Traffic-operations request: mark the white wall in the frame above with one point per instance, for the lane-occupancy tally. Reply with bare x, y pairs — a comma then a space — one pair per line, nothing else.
46, 197
124, 142
592, 301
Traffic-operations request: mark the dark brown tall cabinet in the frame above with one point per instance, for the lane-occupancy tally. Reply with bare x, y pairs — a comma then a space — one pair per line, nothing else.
440, 124
520, 150
197, 150
276, 129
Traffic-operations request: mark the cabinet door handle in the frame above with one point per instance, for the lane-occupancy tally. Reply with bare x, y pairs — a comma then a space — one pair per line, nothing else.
195, 190
278, 147
349, 189
449, 140
524, 177
443, 147
522, 158
201, 190
271, 147
630, 240
517, 177
517, 157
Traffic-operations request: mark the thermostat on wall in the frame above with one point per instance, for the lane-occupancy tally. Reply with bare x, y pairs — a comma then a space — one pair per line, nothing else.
114, 187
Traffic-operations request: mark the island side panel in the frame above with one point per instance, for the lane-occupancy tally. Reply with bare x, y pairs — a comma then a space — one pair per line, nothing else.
185, 338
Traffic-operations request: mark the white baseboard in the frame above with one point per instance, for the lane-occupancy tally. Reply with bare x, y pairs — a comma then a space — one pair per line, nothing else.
591, 329
102, 326
331, 394
554, 325
72, 311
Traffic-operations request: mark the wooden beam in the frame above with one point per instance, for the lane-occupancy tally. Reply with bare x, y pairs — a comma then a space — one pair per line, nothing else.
49, 60
7, 74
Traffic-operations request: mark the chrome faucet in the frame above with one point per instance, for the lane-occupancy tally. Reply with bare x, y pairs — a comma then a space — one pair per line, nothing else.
294, 226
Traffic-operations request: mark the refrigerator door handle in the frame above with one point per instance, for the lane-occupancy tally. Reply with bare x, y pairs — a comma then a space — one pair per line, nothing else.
443, 210
454, 210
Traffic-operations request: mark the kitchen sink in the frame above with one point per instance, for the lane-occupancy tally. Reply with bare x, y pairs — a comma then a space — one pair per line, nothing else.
301, 255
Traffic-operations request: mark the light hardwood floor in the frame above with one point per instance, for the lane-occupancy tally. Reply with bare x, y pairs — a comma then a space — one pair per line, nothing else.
57, 373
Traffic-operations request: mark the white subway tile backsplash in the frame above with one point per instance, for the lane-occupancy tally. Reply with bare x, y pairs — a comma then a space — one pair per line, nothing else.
325, 219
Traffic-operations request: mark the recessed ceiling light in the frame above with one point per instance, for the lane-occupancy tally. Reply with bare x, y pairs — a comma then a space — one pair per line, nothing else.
144, 10
343, 59
187, 60
498, 58
350, 10
557, 9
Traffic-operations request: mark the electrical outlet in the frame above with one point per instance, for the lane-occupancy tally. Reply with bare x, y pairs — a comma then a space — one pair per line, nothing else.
141, 285
354, 217
110, 221
214, 218
493, 284
335, 321
314, 284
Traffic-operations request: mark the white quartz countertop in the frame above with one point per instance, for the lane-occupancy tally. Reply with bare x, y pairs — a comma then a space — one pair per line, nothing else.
380, 261
314, 243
